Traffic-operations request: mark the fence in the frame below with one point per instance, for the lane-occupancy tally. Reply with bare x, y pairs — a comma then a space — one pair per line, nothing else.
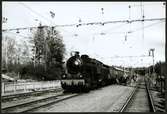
21, 87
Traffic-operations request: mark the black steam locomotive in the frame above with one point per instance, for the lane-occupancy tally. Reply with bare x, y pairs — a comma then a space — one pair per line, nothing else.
85, 73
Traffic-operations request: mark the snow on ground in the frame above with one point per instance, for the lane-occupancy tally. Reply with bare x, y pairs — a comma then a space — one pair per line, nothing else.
107, 99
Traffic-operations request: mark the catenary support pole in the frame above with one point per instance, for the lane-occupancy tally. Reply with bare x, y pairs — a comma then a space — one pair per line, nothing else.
165, 73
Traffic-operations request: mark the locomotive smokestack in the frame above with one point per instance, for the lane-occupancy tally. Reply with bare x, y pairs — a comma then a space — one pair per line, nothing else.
77, 54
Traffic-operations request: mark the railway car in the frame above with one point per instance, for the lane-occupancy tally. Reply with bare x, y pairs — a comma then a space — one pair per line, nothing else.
121, 75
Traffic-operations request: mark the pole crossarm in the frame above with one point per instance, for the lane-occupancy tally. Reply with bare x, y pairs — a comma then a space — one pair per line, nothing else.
90, 23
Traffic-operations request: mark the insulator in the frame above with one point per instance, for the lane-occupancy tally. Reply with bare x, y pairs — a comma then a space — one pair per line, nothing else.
30, 29
102, 33
17, 31
149, 53
129, 32
76, 35
78, 25
80, 21
125, 37
102, 9
127, 21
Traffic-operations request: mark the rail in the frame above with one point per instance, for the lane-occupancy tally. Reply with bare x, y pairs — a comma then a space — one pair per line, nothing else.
123, 108
150, 98
152, 107
128, 100
22, 87
30, 106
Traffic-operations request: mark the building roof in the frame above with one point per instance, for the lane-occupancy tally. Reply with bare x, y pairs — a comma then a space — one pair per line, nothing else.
7, 77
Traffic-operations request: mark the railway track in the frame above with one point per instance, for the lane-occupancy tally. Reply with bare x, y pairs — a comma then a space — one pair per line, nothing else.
140, 100
28, 94
36, 104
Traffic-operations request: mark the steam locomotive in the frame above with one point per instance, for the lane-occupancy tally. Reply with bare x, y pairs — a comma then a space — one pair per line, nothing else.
84, 73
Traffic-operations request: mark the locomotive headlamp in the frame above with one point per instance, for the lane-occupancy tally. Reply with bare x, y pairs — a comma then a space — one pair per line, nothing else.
64, 76
77, 62
80, 76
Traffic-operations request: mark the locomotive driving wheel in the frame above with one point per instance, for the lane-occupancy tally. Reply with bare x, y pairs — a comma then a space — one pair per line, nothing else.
103, 83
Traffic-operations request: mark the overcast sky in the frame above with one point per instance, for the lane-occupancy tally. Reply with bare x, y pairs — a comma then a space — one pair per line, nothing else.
110, 43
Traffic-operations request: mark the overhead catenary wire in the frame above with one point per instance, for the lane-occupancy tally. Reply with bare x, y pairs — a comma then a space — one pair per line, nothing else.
147, 26
16, 34
105, 33
117, 57
115, 27
90, 23
132, 31
26, 6
123, 58
147, 4
129, 32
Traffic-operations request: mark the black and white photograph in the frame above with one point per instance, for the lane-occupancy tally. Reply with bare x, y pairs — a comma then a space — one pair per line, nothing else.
83, 56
